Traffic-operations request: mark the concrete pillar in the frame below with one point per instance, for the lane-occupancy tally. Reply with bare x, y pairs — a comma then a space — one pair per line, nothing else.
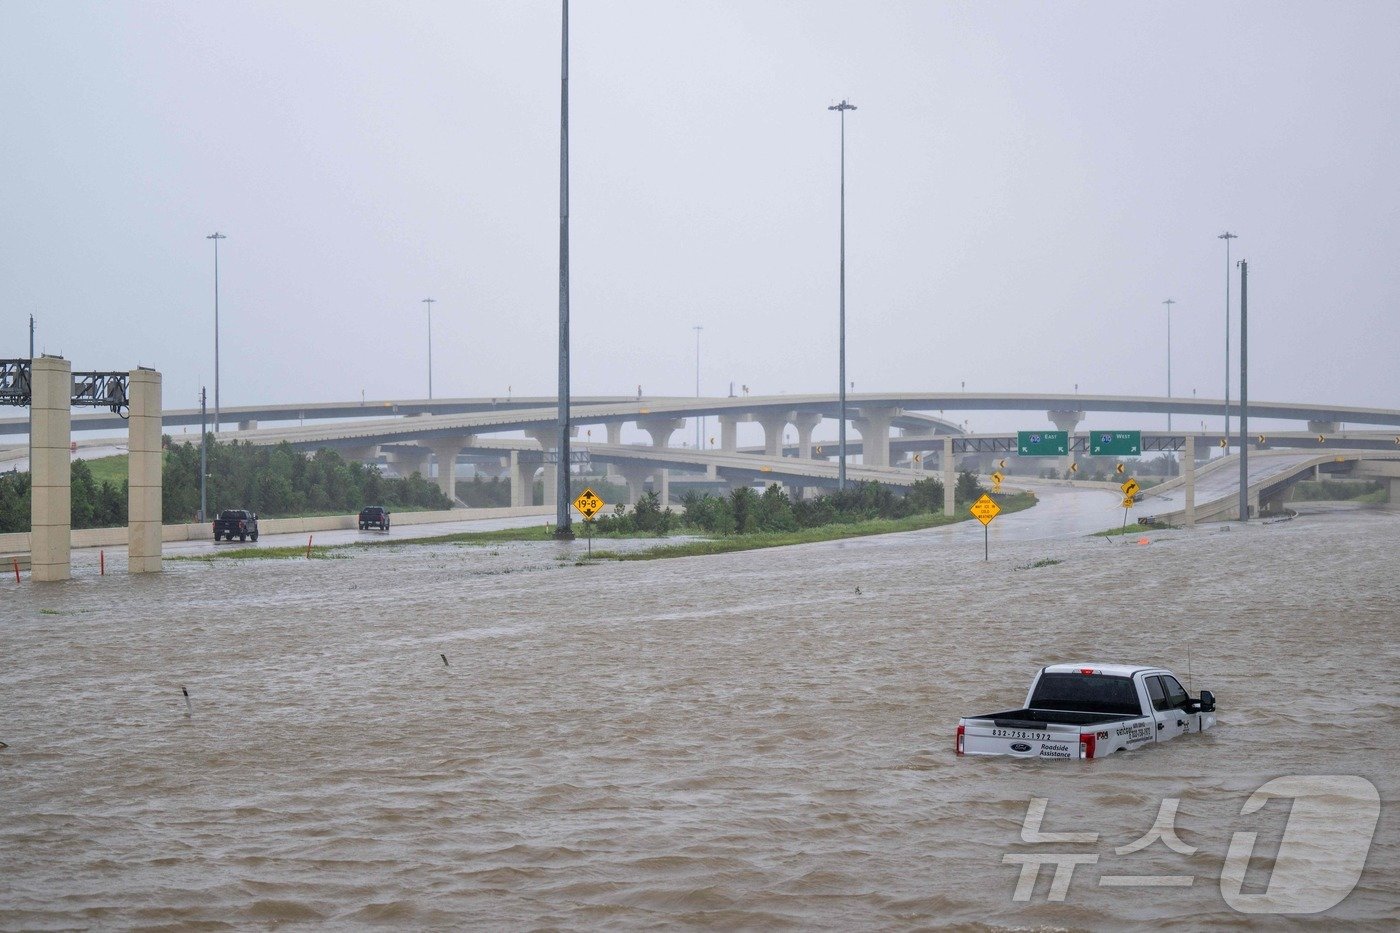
1322, 427
409, 460
143, 496
661, 429
1189, 465
614, 429
806, 422
445, 451
949, 480
874, 427
50, 468
1394, 492
360, 453
773, 427
728, 433
249, 425
1066, 421
522, 481
635, 476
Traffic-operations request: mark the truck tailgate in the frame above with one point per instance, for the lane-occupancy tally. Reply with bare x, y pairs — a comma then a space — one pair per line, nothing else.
985, 737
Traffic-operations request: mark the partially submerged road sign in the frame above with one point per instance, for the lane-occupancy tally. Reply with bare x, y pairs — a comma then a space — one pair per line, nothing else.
589, 503
996, 481
1042, 443
1115, 443
985, 509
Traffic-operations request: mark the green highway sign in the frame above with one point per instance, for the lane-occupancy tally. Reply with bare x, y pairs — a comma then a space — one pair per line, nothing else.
1115, 443
1042, 443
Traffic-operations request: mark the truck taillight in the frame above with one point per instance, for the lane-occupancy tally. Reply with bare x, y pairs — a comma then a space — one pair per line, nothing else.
1086, 745
960, 739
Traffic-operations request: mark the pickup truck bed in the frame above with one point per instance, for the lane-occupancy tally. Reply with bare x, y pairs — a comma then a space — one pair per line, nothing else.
1039, 718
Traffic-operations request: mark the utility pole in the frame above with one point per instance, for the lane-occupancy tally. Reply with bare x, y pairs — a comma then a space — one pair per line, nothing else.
1244, 391
429, 303
699, 422
203, 452
1169, 302
1227, 236
563, 524
841, 464
216, 236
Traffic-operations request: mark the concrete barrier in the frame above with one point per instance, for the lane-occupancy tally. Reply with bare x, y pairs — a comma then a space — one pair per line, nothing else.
17, 543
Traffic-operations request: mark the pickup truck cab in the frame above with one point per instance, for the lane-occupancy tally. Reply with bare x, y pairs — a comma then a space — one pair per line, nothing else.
240, 522
1089, 711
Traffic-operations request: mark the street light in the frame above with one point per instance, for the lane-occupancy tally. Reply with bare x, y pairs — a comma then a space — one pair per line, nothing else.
216, 236
1169, 302
841, 464
1227, 236
699, 422
429, 302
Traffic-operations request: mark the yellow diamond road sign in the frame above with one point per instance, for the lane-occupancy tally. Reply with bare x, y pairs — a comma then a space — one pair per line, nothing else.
1127, 502
997, 477
1130, 488
589, 503
985, 509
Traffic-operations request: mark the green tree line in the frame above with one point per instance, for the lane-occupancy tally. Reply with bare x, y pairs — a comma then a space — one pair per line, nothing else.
272, 481
745, 510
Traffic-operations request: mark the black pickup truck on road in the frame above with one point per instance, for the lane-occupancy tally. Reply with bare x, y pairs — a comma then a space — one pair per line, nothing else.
374, 516
238, 522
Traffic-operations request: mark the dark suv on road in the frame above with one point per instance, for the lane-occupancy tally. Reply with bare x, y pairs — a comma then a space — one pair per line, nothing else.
374, 517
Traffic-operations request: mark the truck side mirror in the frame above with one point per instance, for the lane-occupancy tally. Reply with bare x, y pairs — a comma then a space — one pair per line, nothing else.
1207, 702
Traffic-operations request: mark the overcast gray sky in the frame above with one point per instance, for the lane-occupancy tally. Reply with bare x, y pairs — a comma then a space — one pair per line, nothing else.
1027, 182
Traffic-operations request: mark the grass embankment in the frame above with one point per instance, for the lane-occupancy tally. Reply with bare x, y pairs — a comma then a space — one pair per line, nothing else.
108, 469
685, 549
1131, 528
879, 526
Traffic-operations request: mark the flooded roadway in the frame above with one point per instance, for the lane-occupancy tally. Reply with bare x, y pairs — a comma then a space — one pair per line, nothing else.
741, 740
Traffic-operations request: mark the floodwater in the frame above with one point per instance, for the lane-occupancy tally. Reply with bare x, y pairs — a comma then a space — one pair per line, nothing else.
761, 739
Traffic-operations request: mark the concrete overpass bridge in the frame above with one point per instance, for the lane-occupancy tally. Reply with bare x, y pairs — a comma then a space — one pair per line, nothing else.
1212, 493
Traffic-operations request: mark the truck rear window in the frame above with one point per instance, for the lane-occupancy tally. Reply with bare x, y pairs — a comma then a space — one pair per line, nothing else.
1087, 693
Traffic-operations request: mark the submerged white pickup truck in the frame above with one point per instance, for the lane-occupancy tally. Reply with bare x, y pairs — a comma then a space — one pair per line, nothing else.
1089, 711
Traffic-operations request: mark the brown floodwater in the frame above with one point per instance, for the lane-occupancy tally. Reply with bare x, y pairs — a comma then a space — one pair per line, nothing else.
759, 739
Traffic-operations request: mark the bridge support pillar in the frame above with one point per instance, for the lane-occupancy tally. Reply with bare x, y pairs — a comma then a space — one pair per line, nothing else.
1394, 492
50, 469
773, 427
409, 460
728, 433
806, 422
445, 451
362, 453
548, 439
143, 496
874, 427
1322, 427
522, 481
661, 429
249, 425
614, 429
1189, 465
949, 480
1066, 421
635, 476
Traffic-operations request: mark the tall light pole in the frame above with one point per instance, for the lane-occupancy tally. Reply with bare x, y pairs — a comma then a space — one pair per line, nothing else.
1169, 302
563, 521
1244, 390
216, 236
699, 422
841, 464
1227, 236
429, 302
203, 452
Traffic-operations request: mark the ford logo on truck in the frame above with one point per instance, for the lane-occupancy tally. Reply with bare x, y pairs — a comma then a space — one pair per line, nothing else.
1020, 747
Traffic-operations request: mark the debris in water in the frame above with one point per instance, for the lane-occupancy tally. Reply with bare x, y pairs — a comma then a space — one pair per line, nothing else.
857, 591
189, 707
444, 660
